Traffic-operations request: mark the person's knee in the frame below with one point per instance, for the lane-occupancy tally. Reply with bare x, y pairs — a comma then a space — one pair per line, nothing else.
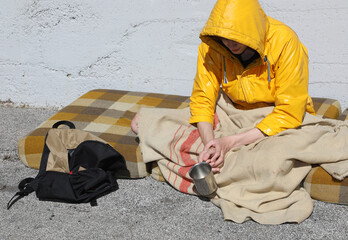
134, 124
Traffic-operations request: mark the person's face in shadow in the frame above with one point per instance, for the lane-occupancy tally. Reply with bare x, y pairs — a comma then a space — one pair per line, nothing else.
235, 47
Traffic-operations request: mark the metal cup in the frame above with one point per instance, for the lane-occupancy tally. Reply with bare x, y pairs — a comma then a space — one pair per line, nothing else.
203, 178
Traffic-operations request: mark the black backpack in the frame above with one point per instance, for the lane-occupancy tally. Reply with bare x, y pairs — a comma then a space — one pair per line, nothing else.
76, 167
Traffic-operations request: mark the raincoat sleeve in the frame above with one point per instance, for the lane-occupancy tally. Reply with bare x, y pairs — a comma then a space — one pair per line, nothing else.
206, 85
291, 89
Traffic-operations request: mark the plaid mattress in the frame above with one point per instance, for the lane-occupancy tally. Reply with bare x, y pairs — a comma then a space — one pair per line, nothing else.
327, 108
344, 115
108, 114
322, 186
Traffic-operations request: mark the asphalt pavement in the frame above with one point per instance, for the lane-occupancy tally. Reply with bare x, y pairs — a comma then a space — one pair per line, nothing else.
140, 209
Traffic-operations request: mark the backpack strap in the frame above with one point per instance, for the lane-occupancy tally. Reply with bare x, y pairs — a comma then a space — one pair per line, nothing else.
64, 122
93, 202
26, 186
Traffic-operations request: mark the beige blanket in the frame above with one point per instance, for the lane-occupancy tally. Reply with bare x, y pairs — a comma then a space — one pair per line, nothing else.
259, 181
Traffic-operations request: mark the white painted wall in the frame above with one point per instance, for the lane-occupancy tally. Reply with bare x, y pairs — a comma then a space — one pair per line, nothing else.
51, 52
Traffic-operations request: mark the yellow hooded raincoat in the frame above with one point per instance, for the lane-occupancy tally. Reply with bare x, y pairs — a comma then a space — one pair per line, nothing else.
278, 77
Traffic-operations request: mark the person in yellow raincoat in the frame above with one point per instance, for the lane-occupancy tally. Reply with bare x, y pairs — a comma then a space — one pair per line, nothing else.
257, 61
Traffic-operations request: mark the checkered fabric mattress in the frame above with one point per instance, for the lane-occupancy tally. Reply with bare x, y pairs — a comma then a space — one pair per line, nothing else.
108, 114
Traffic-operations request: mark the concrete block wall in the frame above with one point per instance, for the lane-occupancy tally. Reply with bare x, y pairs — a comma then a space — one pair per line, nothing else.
51, 52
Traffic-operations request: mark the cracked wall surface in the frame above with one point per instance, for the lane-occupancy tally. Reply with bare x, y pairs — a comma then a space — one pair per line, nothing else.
51, 52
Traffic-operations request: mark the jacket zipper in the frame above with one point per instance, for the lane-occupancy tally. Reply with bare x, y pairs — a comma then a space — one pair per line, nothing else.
240, 79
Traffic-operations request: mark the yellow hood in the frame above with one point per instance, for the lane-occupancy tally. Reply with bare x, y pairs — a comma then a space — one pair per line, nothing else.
242, 21
280, 80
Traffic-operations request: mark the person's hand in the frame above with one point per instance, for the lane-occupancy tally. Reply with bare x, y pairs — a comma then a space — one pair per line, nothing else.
214, 152
207, 154
213, 157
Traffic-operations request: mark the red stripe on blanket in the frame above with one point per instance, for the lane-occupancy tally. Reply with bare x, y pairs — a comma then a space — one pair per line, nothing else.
216, 120
185, 183
186, 148
186, 158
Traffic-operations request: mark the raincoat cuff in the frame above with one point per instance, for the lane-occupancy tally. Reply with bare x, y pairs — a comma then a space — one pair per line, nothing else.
266, 129
196, 119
